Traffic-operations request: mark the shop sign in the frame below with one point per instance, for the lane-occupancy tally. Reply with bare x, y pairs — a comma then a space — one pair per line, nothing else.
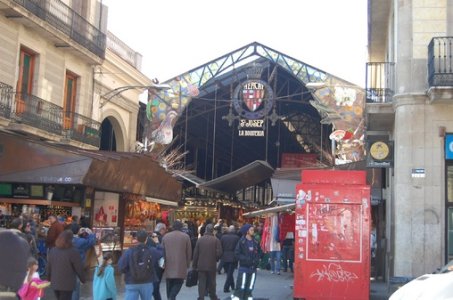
449, 146
379, 153
251, 128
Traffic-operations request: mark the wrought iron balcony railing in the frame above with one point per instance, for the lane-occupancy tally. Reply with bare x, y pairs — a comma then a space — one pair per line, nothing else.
65, 19
440, 61
81, 128
124, 51
380, 82
6, 100
36, 112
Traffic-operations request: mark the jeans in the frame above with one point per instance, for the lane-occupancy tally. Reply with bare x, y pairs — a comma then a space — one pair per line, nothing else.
229, 267
275, 261
173, 287
142, 290
245, 284
76, 291
288, 257
156, 290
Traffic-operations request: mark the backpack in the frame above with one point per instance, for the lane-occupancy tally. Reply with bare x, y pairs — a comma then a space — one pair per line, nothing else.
141, 265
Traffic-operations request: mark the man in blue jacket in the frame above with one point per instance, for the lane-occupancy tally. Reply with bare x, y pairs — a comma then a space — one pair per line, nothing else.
134, 289
83, 241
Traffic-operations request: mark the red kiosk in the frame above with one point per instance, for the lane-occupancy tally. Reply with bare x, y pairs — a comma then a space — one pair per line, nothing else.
332, 240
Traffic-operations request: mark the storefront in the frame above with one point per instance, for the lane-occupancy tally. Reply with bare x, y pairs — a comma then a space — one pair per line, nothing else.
37, 177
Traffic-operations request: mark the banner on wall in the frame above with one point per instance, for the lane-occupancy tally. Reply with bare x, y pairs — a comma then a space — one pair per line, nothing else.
106, 209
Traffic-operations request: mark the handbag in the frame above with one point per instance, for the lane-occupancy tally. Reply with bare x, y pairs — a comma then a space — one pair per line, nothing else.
192, 278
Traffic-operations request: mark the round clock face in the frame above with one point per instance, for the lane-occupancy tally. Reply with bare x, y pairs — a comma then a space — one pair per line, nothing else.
379, 150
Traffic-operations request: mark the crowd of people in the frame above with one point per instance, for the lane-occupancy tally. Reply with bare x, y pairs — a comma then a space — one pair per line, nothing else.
166, 253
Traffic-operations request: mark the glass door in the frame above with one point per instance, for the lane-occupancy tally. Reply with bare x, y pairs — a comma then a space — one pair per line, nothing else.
449, 209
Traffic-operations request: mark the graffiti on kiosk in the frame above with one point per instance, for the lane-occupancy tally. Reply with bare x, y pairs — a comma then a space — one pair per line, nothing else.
333, 273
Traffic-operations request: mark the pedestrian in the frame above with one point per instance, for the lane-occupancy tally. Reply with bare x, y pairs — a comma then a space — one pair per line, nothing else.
157, 253
288, 252
83, 241
177, 254
137, 265
55, 229
247, 253
14, 251
33, 287
31, 239
104, 285
64, 266
208, 251
229, 241
74, 226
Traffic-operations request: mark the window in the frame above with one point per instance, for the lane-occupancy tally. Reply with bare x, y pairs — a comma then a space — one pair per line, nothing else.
25, 82
70, 93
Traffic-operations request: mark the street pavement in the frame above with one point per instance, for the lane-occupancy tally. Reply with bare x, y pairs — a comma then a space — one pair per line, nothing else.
268, 286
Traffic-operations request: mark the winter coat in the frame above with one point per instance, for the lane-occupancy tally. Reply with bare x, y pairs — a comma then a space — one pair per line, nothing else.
229, 242
248, 260
63, 266
177, 253
82, 244
208, 251
13, 259
104, 286
125, 260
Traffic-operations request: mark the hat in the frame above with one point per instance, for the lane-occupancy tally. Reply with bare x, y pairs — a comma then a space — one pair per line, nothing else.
209, 228
142, 236
84, 230
231, 228
177, 225
244, 229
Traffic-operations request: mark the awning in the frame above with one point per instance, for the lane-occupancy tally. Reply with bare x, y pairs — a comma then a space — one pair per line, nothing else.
275, 209
284, 190
25, 160
249, 175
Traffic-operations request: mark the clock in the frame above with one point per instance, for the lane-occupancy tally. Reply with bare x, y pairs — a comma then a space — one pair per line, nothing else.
379, 150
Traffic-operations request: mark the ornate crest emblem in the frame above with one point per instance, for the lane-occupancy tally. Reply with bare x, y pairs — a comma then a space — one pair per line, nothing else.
253, 99
253, 95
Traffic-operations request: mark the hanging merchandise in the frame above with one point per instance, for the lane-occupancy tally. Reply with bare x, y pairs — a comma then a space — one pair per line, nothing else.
265, 245
274, 243
287, 223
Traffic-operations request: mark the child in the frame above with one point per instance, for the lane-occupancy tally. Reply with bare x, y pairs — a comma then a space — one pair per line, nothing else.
104, 286
33, 287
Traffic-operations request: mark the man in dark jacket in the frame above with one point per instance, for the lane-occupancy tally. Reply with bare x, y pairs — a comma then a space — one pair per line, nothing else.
13, 263
207, 252
247, 252
229, 241
135, 289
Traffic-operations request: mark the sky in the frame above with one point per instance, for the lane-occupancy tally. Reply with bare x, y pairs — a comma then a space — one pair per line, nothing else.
175, 36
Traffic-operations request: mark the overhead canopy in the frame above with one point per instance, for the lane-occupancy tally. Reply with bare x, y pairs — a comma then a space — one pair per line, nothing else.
30, 161
248, 175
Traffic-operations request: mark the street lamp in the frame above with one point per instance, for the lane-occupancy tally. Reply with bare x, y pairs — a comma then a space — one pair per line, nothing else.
155, 86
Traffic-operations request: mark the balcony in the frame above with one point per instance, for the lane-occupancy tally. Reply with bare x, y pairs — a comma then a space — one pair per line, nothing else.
380, 88
62, 18
82, 129
440, 64
6, 99
380, 82
124, 51
36, 112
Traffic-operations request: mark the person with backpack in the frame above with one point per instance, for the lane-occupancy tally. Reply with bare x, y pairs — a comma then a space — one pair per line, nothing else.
137, 265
